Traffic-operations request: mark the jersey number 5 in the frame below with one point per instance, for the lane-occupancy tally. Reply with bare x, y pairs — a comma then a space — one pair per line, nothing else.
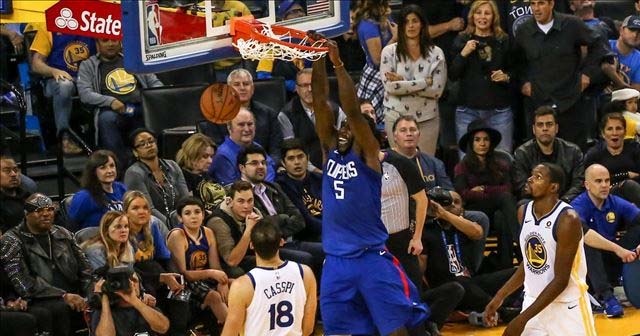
338, 190
280, 314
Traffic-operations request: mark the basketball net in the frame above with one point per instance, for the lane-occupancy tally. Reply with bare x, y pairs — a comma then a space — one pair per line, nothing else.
256, 41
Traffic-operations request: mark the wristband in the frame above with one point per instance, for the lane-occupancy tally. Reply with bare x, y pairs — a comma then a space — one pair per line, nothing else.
339, 65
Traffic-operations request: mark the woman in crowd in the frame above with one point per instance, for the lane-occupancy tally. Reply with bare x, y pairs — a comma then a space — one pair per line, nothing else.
483, 179
620, 157
110, 247
160, 180
481, 65
195, 255
625, 101
375, 31
414, 74
152, 257
194, 158
100, 191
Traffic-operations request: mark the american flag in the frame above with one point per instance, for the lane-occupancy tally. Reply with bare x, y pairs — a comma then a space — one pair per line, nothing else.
317, 6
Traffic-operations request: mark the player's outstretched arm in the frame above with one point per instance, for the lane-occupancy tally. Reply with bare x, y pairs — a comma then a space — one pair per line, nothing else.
240, 296
325, 120
569, 234
362, 134
310, 306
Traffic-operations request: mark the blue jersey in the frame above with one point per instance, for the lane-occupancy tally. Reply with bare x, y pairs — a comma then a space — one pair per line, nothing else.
351, 199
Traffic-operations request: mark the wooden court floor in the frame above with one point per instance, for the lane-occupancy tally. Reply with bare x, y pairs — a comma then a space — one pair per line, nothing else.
629, 325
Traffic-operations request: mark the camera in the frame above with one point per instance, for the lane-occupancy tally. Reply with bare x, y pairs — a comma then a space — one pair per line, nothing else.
440, 196
117, 279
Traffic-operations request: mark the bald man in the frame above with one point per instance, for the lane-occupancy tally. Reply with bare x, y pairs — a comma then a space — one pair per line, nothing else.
607, 214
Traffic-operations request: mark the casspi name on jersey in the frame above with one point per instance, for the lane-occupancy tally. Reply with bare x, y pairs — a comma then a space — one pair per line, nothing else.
278, 288
341, 171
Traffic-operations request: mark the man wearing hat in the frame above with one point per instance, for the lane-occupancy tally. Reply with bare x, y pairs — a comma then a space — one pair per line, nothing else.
45, 265
290, 9
625, 49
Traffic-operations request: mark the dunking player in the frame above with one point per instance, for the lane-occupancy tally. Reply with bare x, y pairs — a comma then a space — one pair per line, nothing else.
275, 298
554, 269
363, 286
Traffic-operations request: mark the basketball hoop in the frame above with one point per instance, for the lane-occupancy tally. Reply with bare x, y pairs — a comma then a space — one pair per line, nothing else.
256, 40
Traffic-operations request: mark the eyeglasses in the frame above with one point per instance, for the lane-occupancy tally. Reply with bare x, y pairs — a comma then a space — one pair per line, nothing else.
256, 163
149, 142
9, 170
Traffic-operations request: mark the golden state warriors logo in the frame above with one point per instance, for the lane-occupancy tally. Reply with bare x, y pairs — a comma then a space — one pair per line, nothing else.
611, 217
536, 253
74, 53
120, 82
199, 260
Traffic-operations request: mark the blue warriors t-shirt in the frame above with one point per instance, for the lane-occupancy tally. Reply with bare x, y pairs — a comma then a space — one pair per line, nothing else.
351, 194
68, 51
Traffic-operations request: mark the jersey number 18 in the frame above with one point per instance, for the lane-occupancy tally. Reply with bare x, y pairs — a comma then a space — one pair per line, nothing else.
280, 314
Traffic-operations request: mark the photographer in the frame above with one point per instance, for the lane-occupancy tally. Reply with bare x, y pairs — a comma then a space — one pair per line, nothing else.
446, 238
129, 315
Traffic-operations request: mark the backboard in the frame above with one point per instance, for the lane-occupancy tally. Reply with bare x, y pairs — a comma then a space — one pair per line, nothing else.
163, 35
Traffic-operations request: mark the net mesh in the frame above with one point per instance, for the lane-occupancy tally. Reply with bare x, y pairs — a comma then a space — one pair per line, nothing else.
255, 50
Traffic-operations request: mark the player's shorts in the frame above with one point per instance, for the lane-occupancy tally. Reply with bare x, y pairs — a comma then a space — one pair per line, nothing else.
368, 293
561, 318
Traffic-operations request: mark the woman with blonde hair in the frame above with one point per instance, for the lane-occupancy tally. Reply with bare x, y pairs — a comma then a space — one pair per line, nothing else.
481, 64
110, 247
194, 158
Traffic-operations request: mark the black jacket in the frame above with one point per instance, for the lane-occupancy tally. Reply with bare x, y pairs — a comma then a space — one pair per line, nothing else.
306, 195
305, 130
289, 217
33, 273
566, 154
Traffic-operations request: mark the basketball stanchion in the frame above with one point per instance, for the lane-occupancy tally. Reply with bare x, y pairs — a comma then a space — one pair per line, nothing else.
256, 40
219, 103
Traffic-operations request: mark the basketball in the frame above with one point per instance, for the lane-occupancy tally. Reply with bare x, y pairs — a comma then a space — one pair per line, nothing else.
219, 103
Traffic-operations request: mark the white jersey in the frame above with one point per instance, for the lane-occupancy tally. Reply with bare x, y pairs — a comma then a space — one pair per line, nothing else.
277, 306
538, 244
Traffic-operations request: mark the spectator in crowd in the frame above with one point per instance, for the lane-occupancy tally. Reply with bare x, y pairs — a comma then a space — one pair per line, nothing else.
625, 101
406, 134
131, 315
161, 180
297, 118
242, 132
100, 191
375, 30
560, 74
195, 255
110, 247
414, 74
303, 187
247, 307
606, 214
625, 48
57, 57
290, 9
232, 224
483, 179
12, 196
46, 266
271, 200
546, 147
481, 62
194, 158
115, 94
265, 118
621, 158
447, 237
152, 258
404, 210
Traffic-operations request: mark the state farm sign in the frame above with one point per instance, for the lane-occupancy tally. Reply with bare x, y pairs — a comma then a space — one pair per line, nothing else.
93, 18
